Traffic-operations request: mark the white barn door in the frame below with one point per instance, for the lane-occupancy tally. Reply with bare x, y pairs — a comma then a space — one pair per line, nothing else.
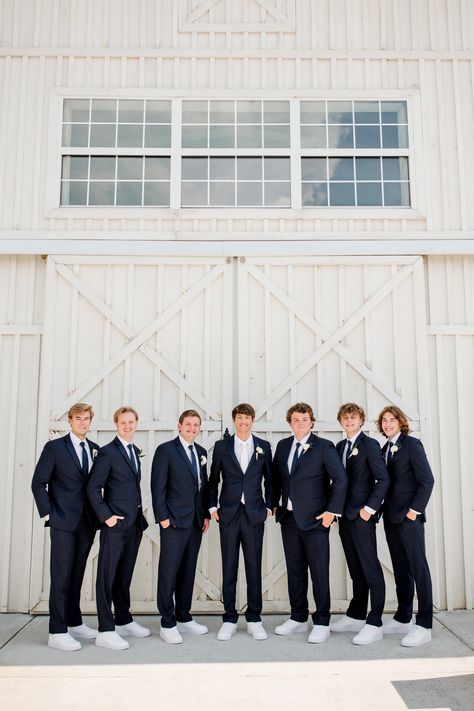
171, 333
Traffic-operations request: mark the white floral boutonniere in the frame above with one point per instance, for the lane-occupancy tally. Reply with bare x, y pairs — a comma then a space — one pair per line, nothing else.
141, 453
394, 449
258, 452
306, 447
203, 460
95, 452
354, 453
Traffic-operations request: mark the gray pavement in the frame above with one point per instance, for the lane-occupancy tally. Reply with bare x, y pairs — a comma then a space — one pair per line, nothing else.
238, 674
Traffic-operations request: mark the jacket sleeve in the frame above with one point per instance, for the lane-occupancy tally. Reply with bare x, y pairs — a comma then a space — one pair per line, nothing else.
214, 476
159, 480
276, 479
423, 475
379, 473
97, 480
205, 481
338, 477
41, 477
267, 477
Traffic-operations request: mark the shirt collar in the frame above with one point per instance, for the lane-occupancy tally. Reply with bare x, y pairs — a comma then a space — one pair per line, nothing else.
185, 444
353, 439
243, 441
395, 439
76, 440
301, 441
124, 442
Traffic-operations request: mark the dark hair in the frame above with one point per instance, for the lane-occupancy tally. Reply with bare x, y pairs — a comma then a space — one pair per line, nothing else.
189, 413
303, 408
243, 409
398, 415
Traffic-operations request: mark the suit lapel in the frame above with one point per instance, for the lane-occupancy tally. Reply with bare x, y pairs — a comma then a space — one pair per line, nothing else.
231, 448
310, 441
72, 452
124, 454
184, 456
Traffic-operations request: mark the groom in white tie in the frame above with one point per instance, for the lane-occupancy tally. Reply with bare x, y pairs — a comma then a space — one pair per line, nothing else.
244, 461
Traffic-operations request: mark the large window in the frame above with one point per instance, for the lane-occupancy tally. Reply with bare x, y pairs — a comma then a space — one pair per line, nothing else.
235, 153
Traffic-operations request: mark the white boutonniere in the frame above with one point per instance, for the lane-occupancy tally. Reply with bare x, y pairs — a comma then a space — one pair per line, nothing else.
258, 451
141, 453
95, 452
394, 449
203, 460
306, 447
354, 453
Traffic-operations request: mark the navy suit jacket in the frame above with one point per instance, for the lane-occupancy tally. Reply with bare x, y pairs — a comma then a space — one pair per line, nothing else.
368, 478
174, 488
411, 479
114, 474
59, 485
235, 482
318, 484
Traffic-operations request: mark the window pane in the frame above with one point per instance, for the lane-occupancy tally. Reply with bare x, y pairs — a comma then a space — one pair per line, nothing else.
221, 193
339, 112
276, 168
249, 112
369, 194
75, 135
103, 135
394, 112
368, 169
195, 112
249, 136
194, 137
341, 169
249, 194
314, 169
366, 112
157, 136
313, 137
367, 136
222, 169
129, 193
396, 194
193, 194
313, 112
277, 194
157, 168
342, 194
276, 112
101, 193
277, 136
395, 136
157, 194
76, 110
194, 169
340, 137
130, 136
222, 137
75, 167
130, 111
249, 168
102, 167
130, 168
104, 111
73, 193
158, 112
395, 168
315, 194
222, 112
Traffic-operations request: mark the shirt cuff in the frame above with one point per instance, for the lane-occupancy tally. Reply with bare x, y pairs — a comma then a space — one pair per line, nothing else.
212, 509
369, 510
418, 513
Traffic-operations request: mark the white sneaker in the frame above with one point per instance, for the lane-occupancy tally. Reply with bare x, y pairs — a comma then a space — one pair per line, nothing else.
416, 637
64, 642
82, 632
133, 629
368, 634
192, 627
111, 640
319, 634
256, 630
291, 627
226, 631
394, 627
347, 624
170, 635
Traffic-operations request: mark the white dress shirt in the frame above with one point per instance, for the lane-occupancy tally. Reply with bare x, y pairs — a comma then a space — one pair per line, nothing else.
76, 443
291, 456
187, 446
239, 445
125, 444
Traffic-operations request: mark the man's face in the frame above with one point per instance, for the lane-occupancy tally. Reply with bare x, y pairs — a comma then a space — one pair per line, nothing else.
80, 423
351, 423
189, 428
126, 425
390, 425
301, 423
243, 426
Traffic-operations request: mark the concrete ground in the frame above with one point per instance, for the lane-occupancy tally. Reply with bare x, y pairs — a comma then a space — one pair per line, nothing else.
240, 674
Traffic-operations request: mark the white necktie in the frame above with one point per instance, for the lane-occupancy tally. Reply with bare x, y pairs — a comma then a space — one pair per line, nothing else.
244, 457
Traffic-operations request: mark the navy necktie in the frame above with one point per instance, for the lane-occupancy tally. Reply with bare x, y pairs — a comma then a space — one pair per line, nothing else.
132, 458
295, 458
346, 452
194, 463
387, 451
84, 459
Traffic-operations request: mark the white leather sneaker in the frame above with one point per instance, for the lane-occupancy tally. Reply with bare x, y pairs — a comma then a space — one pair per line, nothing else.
192, 627
319, 634
111, 640
347, 624
132, 629
394, 627
226, 631
256, 630
416, 637
368, 634
82, 632
170, 635
64, 642
291, 627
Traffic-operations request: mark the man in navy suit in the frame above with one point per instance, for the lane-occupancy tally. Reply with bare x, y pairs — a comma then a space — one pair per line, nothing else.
309, 478
59, 487
368, 482
411, 484
244, 462
114, 492
179, 495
